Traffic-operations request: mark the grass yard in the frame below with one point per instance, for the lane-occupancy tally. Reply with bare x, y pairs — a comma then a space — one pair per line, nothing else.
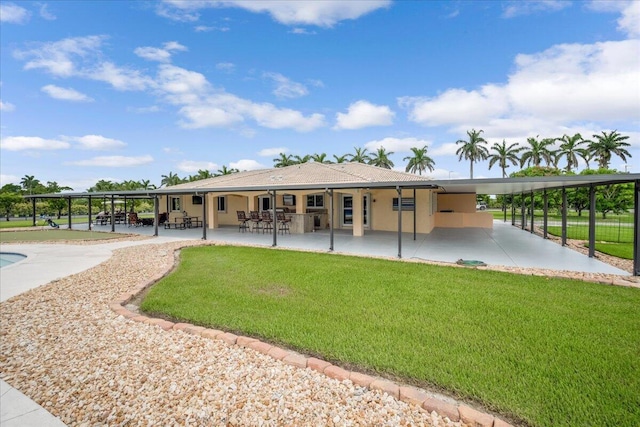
620, 250
50, 234
544, 351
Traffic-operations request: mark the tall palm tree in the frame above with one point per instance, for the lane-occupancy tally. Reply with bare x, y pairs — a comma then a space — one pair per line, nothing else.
503, 155
381, 158
419, 161
320, 158
341, 159
359, 156
171, 179
29, 183
570, 148
301, 159
102, 185
537, 152
202, 174
146, 184
226, 171
472, 149
608, 144
283, 160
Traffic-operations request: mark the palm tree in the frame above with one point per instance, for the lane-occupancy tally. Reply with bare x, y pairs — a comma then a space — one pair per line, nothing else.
146, 185
320, 158
226, 171
360, 156
537, 152
202, 174
171, 179
473, 149
102, 185
570, 148
381, 159
607, 144
503, 155
282, 161
341, 159
419, 161
29, 183
304, 159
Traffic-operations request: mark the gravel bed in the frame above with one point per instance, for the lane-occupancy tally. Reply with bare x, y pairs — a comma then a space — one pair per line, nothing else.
62, 346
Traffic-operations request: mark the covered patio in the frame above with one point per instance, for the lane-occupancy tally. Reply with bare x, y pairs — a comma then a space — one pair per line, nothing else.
504, 245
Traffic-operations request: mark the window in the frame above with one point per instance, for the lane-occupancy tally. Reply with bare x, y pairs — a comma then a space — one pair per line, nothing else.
196, 200
289, 200
264, 203
408, 204
315, 201
175, 203
222, 203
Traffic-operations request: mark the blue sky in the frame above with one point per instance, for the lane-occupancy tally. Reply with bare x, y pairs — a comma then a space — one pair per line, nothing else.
120, 90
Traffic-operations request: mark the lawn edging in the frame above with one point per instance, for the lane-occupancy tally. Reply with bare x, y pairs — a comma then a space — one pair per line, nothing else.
443, 406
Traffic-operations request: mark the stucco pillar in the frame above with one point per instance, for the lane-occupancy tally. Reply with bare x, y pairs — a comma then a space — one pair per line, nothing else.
252, 203
301, 203
212, 217
358, 218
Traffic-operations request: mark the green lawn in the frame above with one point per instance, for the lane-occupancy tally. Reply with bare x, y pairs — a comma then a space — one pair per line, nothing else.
545, 351
620, 250
49, 234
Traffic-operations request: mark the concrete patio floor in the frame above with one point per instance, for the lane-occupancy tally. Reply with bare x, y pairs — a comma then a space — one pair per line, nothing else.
503, 245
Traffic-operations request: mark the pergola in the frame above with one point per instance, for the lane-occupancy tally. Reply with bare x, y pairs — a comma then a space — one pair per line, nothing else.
494, 186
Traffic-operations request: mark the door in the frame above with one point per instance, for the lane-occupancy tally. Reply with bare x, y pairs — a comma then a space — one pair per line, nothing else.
264, 202
346, 211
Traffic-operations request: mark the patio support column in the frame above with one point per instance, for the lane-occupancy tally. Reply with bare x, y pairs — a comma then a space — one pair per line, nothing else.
636, 230
564, 217
504, 207
358, 217
513, 210
33, 211
156, 216
213, 217
533, 217
126, 217
89, 213
204, 216
274, 217
330, 220
399, 190
415, 208
592, 221
113, 215
523, 212
69, 213
545, 208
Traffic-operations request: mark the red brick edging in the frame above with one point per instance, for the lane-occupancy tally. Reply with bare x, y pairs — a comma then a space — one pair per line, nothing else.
409, 394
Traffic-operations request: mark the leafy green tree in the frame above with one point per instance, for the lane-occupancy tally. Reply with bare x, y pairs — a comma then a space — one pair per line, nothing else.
605, 145
472, 149
56, 205
381, 158
29, 184
614, 198
570, 149
283, 161
102, 185
146, 184
341, 159
537, 152
320, 158
420, 161
501, 154
8, 201
171, 179
11, 188
359, 156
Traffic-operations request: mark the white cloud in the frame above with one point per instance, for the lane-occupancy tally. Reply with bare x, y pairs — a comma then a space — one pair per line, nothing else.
446, 149
159, 54
397, 145
65, 94
285, 87
269, 152
226, 66
206, 29
98, 142
13, 14
630, 18
21, 143
6, 106
144, 110
9, 179
114, 161
302, 31
320, 13
363, 114
520, 8
45, 14
120, 78
191, 166
246, 165
564, 84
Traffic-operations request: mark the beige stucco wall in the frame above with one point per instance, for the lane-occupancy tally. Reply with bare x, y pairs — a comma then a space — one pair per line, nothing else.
384, 218
457, 202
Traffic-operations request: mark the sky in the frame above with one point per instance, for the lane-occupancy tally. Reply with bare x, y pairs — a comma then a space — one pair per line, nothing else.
119, 90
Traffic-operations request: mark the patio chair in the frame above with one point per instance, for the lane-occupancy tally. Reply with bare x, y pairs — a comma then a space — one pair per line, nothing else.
267, 222
134, 220
256, 221
243, 221
283, 222
162, 218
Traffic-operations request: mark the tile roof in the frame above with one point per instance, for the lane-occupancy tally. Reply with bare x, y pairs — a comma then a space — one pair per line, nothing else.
308, 175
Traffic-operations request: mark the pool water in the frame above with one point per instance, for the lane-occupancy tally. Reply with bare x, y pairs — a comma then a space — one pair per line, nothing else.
7, 258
